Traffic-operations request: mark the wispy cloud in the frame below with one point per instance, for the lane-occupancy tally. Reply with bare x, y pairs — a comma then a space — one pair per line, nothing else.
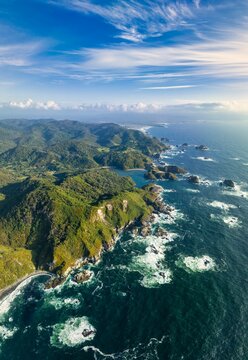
19, 54
168, 87
137, 20
231, 52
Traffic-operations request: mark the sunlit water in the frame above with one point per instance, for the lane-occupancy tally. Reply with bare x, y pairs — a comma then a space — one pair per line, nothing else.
181, 296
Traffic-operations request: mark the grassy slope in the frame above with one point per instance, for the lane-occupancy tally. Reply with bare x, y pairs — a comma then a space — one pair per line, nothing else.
50, 219
43, 223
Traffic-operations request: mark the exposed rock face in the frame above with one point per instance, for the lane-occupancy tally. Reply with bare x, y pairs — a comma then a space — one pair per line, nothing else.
170, 176
82, 276
100, 216
55, 281
145, 231
194, 179
161, 232
109, 207
150, 176
201, 147
185, 144
124, 205
228, 183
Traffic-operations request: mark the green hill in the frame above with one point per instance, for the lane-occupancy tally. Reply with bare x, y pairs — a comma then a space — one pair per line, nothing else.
57, 204
38, 146
49, 225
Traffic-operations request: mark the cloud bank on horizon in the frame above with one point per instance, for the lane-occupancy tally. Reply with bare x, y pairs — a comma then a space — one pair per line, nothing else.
123, 56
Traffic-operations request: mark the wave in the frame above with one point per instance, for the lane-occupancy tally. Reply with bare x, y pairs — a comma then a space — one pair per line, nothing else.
172, 152
6, 303
231, 221
237, 191
6, 333
59, 303
221, 205
74, 332
141, 351
150, 263
192, 190
197, 264
203, 158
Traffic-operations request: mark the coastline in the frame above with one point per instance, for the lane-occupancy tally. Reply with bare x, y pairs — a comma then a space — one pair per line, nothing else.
9, 289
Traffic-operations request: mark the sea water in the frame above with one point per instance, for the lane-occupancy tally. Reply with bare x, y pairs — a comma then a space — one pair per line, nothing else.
183, 295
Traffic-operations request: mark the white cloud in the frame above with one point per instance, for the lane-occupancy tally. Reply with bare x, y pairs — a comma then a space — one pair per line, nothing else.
140, 107
31, 104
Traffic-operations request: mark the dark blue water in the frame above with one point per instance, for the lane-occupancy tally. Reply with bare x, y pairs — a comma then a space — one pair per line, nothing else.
186, 300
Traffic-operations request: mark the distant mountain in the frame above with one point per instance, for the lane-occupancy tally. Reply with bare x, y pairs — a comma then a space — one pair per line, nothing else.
38, 146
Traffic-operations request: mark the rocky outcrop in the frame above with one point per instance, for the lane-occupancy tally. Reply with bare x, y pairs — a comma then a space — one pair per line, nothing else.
172, 169
164, 172
194, 179
161, 232
201, 147
170, 176
228, 183
109, 207
124, 205
82, 276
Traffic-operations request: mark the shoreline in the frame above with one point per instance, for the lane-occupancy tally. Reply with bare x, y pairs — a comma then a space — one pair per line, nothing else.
9, 289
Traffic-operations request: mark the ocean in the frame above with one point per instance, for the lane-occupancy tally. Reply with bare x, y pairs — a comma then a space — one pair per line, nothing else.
183, 296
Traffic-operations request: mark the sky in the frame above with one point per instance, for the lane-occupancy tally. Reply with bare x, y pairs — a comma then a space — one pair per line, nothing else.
75, 58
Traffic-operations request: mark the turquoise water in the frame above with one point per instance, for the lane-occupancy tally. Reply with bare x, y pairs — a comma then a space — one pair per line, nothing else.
187, 299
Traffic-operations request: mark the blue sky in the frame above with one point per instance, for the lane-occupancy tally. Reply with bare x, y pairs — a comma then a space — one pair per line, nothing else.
72, 57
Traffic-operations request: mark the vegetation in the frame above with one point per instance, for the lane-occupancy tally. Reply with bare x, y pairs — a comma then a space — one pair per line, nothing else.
39, 146
57, 203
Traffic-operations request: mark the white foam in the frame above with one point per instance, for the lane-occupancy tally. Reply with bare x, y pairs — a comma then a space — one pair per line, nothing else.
192, 190
203, 181
199, 264
158, 278
221, 205
74, 332
150, 264
6, 303
235, 158
59, 303
171, 218
144, 129
172, 152
236, 191
245, 164
231, 221
203, 158
6, 333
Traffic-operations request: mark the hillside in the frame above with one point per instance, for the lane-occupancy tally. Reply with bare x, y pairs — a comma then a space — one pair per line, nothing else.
49, 225
40, 146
